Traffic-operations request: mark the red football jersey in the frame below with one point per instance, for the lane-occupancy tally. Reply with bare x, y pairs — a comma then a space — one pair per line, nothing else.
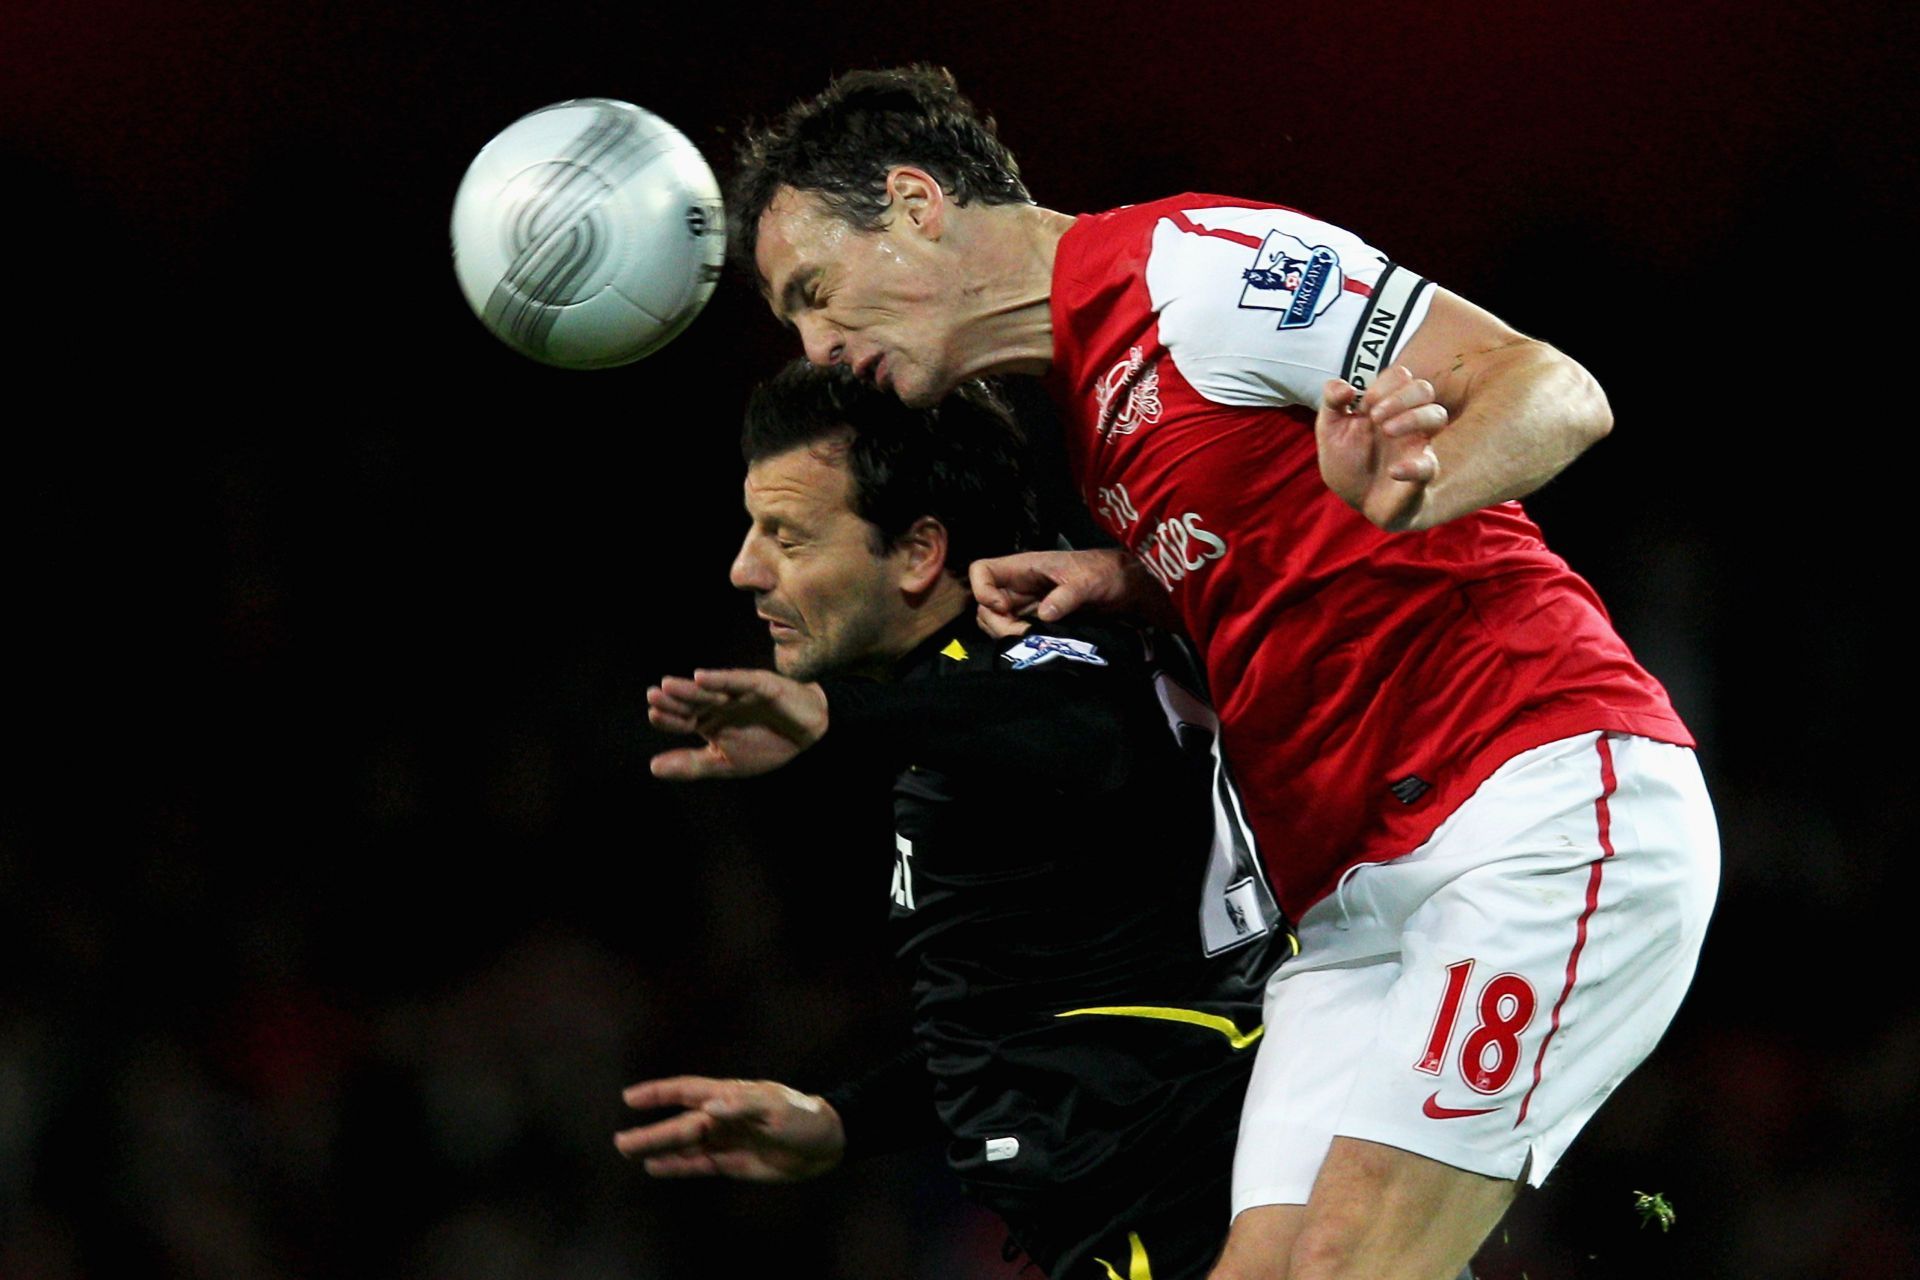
1367, 682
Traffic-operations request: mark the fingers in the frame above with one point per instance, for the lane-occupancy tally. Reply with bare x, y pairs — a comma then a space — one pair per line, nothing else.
1008, 583
1000, 625
1405, 411
687, 1131
670, 721
1008, 616
1421, 468
676, 1091
684, 694
687, 699
695, 705
675, 1144
1398, 403
707, 1103
1401, 404
1007, 588
720, 685
983, 577
676, 704
717, 1134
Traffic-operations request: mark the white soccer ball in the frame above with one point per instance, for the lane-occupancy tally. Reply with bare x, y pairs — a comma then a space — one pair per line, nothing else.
588, 234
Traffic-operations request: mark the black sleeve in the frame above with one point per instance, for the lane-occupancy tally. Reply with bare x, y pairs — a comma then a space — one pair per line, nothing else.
1065, 724
890, 1108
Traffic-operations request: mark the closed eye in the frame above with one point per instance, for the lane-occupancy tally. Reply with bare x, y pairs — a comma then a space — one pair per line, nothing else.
801, 290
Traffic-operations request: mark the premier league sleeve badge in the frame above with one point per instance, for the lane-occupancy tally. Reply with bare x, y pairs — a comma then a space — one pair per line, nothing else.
1298, 280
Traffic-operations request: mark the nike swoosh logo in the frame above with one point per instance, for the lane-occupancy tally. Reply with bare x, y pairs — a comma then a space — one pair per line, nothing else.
1432, 1109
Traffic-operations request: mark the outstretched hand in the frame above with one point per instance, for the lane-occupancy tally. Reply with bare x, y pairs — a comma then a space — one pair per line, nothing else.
1378, 455
753, 1130
753, 722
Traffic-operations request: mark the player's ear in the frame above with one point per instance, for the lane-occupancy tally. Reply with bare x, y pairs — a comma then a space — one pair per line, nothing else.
922, 555
918, 199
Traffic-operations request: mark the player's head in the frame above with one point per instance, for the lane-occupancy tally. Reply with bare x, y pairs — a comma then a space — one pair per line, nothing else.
844, 209
866, 513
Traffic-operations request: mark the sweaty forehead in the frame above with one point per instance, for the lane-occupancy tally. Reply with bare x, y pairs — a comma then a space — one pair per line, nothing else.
773, 237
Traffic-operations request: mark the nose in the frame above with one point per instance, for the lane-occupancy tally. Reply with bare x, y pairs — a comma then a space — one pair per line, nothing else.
821, 341
749, 569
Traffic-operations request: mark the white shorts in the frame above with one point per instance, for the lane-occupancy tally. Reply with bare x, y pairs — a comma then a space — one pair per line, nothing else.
1476, 1000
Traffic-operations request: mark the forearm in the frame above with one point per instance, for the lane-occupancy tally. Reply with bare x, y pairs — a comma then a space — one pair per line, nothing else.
1521, 413
1528, 412
1517, 411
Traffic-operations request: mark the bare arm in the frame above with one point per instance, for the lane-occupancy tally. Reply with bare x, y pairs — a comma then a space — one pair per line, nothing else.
1474, 414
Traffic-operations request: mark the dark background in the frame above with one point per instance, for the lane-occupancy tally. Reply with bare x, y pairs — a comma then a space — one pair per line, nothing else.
336, 903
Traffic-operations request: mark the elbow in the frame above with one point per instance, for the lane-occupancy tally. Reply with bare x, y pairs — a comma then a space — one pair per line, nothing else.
1579, 403
1592, 416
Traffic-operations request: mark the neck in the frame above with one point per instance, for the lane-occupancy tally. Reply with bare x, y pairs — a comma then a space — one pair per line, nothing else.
1007, 296
948, 599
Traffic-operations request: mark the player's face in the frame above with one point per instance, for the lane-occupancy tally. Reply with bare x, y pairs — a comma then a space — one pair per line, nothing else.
832, 602
880, 302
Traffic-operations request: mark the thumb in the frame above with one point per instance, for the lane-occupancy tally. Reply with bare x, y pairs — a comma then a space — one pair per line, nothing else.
687, 764
1059, 602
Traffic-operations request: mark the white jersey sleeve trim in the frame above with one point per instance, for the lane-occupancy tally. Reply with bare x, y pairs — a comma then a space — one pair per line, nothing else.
1255, 305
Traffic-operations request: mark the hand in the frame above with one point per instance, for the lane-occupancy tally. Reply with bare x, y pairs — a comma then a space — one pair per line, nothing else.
754, 1130
1379, 458
753, 722
1049, 585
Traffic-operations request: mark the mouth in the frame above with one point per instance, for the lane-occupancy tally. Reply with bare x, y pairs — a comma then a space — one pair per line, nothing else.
778, 627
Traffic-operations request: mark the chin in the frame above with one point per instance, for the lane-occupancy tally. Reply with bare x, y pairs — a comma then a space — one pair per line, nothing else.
795, 666
916, 394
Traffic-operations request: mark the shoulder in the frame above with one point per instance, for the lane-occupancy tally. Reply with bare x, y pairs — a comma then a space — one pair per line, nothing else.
1255, 248
1072, 645
1259, 305
1127, 232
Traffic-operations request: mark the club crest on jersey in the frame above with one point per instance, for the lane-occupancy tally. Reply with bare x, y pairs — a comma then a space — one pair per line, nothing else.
1298, 280
1136, 385
1034, 650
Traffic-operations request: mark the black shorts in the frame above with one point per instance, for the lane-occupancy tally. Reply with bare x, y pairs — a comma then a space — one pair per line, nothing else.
1169, 1224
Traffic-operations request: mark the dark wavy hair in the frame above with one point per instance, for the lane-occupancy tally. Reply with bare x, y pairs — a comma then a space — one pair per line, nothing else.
840, 144
960, 462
